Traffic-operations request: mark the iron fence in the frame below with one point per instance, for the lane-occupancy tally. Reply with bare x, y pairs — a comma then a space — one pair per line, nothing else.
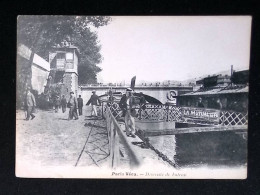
163, 112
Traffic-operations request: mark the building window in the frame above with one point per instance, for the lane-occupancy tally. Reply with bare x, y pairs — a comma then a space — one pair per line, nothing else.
60, 60
69, 56
60, 56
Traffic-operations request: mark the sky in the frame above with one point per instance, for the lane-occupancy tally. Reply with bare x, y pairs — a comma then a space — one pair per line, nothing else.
158, 48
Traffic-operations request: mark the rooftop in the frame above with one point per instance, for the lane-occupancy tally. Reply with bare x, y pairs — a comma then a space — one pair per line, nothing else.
228, 90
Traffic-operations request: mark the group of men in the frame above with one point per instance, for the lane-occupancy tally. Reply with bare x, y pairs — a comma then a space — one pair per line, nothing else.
77, 104
73, 104
127, 105
215, 104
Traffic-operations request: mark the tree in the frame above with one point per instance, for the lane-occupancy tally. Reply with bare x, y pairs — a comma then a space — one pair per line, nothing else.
40, 33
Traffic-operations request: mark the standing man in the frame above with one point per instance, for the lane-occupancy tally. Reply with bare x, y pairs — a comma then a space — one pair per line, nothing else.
200, 104
110, 98
30, 104
80, 104
217, 104
110, 103
130, 113
63, 104
94, 101
72, 104
56, 103
142, 104
122, 105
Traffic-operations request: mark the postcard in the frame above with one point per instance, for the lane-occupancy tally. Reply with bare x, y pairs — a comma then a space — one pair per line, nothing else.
132, 97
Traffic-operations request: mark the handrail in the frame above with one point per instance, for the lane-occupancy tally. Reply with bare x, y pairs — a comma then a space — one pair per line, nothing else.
115, 134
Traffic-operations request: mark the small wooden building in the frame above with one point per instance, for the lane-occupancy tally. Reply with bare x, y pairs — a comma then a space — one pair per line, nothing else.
232, 92
64, 61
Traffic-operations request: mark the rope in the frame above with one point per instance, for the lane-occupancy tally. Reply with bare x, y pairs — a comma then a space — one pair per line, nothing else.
85, 144
146, 144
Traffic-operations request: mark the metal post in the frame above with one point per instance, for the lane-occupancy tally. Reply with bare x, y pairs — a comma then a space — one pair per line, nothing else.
167, 112
102, 109
140, 112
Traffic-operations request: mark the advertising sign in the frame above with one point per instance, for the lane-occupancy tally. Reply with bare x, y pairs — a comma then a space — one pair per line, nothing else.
171, 97
200, 115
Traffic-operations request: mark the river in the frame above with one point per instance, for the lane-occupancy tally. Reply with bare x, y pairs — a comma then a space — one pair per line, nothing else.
212, 149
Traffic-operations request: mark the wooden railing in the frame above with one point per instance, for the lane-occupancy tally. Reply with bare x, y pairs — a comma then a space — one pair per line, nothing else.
116, 139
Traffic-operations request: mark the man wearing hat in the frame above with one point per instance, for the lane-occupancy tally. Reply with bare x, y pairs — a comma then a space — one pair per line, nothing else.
130, 113
30, 104
94, 101
73, 105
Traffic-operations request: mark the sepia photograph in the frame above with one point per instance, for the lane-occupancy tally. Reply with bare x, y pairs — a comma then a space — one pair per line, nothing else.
132, 97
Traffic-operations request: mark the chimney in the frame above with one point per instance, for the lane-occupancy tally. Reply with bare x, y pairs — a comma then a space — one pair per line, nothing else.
231, 75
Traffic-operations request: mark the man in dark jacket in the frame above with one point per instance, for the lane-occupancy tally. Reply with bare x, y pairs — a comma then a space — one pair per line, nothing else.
142, 104
122, 105
63, 104
200, 104
80, 104
130, 113
94, 101
73, 105
217, 104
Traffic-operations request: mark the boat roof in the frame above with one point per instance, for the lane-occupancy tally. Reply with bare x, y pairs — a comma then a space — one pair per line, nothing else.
218, 91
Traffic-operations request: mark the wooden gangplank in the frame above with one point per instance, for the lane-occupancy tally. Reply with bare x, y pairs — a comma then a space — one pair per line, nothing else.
147, 132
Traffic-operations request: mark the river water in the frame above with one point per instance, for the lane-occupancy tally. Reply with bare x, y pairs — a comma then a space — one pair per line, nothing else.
212, 149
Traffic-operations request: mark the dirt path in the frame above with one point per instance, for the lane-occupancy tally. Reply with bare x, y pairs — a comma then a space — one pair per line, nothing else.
51, 140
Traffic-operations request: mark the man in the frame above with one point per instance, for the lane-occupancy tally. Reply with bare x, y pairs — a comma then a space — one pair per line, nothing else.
110, 98
80, 104
94, 101
142, 104
200, 104
110, 103
63, 104
122, 105
30, 104
56, 103
218, 104
73, 105
130, 113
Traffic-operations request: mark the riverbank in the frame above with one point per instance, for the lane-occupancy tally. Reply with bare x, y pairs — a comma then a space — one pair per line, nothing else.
51, 142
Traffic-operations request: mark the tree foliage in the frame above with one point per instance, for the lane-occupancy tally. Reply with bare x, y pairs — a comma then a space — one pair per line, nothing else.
40, 33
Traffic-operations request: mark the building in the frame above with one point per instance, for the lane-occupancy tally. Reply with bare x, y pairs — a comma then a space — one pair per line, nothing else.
215, 80
40, 67
38, 72
231, 91
64, 61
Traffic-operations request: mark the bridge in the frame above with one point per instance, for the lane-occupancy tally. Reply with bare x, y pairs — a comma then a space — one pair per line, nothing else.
163, 93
